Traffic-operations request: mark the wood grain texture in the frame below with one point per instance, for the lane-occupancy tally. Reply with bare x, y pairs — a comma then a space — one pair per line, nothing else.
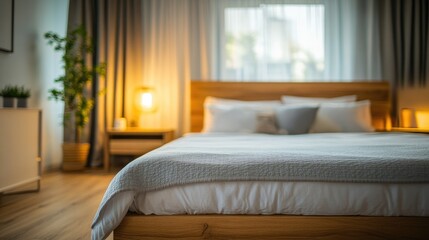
63, 209
133, 141
376, 92
134, 146
271, 227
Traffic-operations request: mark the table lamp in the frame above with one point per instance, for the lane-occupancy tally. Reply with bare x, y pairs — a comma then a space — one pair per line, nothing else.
408, 118
422, 118
145, 99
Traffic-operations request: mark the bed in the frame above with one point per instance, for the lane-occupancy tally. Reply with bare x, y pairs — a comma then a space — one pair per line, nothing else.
371, 211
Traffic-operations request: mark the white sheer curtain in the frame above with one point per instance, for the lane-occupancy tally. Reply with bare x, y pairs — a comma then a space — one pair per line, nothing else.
166, 65
286, 40
353, 50
271, 40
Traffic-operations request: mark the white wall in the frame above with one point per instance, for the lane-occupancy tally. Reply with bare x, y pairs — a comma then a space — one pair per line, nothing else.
35, 65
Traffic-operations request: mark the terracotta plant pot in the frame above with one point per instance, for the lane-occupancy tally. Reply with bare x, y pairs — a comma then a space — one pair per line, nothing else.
74, 156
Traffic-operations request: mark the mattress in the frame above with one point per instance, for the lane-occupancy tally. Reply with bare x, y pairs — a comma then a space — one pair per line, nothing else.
297, 198
406, 197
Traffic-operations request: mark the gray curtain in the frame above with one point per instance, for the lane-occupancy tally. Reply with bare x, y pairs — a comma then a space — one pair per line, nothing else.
410, 23
115, 27
405, 44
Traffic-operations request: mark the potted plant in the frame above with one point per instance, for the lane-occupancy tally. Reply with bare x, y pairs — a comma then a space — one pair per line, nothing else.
73, 91
22, 95
9, 93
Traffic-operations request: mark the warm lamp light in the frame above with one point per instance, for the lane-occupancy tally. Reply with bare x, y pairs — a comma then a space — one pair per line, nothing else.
422, 119
408, 118
145, 99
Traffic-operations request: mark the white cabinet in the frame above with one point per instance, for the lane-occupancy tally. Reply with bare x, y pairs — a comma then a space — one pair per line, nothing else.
20, 147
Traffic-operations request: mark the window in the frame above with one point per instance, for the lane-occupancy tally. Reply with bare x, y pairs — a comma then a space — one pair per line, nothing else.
274, 42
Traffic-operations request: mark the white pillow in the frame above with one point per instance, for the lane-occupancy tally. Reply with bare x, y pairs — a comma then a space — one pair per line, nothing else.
216, 107
343, 117
295, 99
223, 118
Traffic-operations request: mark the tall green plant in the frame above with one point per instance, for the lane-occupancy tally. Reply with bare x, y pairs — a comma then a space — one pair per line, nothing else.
78, 75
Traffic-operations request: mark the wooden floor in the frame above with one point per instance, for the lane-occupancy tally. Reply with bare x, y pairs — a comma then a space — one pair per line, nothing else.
63, 209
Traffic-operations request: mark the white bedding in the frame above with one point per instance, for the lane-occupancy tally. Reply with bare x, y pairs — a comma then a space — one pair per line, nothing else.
275, 197
301, 198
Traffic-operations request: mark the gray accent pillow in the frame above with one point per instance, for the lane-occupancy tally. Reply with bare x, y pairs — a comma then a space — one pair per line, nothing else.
296, 119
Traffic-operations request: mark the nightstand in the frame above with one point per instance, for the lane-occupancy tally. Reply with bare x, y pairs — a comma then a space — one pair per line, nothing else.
133, 141
410, 130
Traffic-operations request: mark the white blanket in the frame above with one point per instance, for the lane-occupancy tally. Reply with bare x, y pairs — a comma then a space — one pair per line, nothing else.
364, 157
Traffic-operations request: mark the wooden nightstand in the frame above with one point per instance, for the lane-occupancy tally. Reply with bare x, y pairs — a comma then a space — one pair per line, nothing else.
133, 141
410, 130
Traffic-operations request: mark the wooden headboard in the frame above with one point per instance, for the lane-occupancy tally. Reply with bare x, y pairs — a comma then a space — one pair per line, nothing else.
377, 92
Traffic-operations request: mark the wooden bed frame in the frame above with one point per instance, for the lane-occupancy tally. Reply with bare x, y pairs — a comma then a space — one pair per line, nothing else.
278, 226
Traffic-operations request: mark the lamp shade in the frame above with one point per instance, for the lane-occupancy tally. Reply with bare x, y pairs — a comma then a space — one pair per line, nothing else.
408, 118
145, 99
422, 119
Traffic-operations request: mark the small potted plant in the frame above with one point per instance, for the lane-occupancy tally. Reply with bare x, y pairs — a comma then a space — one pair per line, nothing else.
22, 95
9, 93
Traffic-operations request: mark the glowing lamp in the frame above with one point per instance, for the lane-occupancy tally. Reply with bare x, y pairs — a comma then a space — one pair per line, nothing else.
145, 99
422, 119
408, 118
